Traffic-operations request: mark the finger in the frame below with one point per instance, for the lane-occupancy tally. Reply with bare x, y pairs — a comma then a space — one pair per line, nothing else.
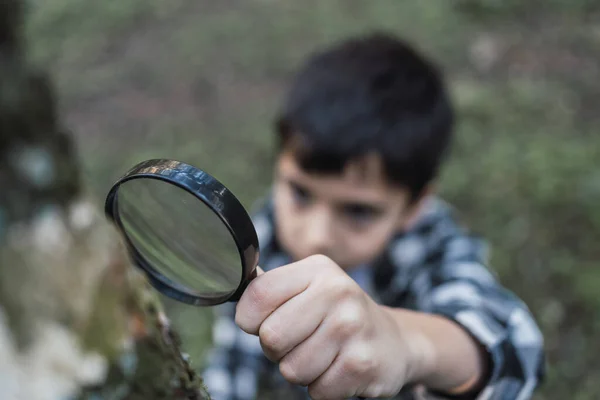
268, 292
311, 358
292, 323
349, 375
259, 271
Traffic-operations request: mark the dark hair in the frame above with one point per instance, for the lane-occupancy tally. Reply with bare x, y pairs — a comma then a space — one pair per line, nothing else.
371, 94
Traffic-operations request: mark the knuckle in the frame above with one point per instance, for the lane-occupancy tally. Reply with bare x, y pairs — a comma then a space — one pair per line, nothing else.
243, 322
359, 360
377, 391
322, 391
317, 392
270, 338
349, 319
342, 287
288, 371
257, 292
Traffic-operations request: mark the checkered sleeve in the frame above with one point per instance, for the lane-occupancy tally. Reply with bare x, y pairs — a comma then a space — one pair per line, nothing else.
235, 361
461, 288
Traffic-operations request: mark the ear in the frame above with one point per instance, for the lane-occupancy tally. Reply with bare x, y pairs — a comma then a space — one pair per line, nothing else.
412, 212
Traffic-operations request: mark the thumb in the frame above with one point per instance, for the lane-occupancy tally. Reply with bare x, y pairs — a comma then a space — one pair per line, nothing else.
259, 271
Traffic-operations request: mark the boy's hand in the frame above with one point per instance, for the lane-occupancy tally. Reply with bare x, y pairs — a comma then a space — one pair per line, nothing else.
326, 332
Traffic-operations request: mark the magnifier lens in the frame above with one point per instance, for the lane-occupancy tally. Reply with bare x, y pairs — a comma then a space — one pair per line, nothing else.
180, 237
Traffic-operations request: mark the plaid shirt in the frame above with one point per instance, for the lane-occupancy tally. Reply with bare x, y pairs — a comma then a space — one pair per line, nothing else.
436, 267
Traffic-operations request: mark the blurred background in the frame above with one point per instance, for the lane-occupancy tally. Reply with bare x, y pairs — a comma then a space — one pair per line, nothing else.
200, 81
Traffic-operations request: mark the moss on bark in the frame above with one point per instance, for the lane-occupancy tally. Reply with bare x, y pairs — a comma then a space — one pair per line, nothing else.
76, 319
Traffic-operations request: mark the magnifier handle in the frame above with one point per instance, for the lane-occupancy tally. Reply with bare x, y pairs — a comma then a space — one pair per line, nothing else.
238, 293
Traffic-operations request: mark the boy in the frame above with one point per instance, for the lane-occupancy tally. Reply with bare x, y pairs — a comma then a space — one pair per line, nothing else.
371, 288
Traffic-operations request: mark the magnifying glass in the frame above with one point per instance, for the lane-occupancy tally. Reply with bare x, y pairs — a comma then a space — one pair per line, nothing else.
188, 233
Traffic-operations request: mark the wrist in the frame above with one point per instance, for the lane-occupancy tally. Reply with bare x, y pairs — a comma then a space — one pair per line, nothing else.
419, 351
440, 355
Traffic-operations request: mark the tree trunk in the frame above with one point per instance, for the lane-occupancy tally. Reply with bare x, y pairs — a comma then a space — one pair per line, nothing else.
76, 320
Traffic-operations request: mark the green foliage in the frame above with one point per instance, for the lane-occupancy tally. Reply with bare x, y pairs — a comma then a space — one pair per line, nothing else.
200, 81
532, 189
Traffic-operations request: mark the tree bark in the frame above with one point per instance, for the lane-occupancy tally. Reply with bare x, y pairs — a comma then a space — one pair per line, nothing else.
77, 321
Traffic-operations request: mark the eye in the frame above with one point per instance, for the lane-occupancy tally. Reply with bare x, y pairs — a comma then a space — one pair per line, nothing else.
301, 195
361, 214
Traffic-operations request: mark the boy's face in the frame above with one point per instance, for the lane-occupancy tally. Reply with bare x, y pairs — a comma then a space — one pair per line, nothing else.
348, 217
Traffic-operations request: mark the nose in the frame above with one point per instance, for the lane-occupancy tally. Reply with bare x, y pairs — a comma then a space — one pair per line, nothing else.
318, 234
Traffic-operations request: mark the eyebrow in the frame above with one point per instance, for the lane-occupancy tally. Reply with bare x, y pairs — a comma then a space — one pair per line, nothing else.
375, 206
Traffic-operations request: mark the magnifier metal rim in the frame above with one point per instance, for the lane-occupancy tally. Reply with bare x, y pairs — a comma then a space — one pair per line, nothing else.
221, 201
